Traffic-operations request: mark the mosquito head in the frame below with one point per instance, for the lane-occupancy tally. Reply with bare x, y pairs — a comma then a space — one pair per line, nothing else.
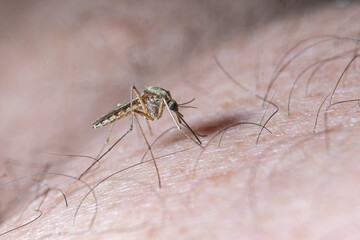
173, 106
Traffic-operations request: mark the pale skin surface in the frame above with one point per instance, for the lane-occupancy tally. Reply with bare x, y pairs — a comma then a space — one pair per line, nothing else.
61, 72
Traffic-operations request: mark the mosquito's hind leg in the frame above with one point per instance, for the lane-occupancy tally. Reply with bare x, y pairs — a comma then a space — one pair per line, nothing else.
107, 151
149, 148
149, 127
146, 112
106, 142
133, 88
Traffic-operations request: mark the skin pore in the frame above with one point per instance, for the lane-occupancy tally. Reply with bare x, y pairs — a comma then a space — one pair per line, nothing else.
64, 66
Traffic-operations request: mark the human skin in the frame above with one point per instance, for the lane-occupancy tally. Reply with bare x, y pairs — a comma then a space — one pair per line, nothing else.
61, 74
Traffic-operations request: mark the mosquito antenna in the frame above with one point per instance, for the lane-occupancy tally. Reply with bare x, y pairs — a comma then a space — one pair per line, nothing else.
188, 107
187, 102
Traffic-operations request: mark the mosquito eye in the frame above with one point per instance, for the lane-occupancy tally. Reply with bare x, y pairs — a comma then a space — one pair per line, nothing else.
173, 106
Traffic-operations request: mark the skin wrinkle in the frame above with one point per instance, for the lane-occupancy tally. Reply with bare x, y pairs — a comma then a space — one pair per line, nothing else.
287, 187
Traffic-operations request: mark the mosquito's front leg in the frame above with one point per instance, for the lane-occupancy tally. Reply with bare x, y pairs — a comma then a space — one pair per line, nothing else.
178, 126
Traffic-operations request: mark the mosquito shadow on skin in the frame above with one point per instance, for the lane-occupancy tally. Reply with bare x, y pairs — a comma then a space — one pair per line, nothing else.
211, 126
216, 124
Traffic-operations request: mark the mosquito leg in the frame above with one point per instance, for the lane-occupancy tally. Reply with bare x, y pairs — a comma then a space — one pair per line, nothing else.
149, 147
140, 100
106, 142
130, 129
152, 144
146, 114
178, 126
149, 127
107, 151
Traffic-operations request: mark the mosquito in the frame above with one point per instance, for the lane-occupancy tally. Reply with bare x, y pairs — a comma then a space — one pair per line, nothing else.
150, 104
